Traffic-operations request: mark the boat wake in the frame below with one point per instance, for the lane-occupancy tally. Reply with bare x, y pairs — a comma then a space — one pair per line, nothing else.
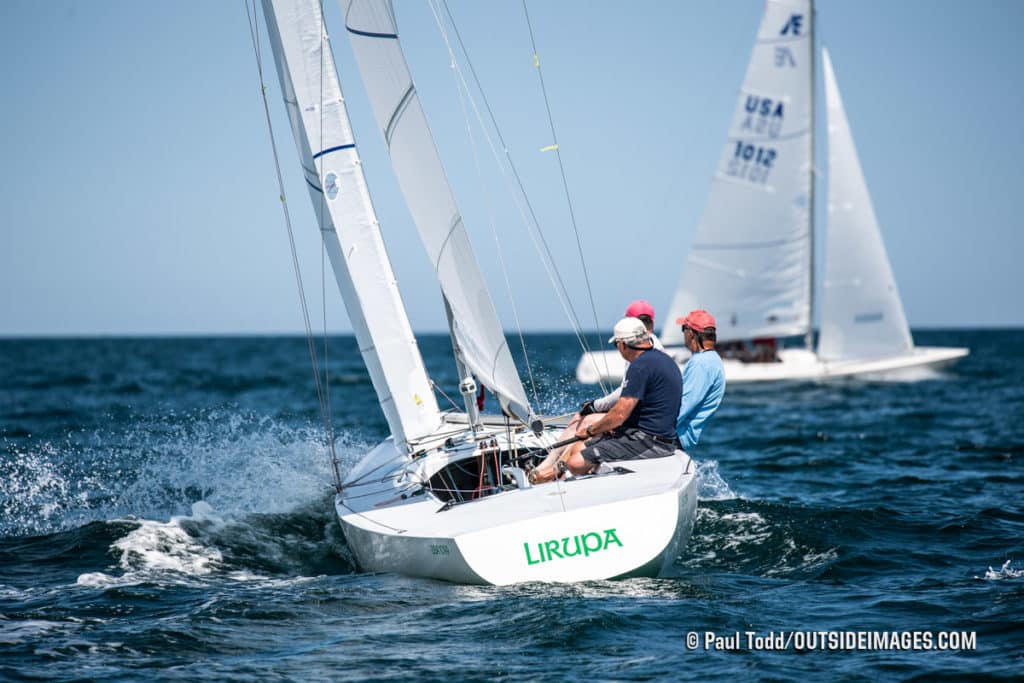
176, 500
160, 548
920, 373
207, 545
757, 538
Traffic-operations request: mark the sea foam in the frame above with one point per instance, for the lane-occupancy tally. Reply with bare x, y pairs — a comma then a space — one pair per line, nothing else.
1004, 572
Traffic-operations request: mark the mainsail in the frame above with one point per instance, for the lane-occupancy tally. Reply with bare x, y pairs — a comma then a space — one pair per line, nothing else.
861, 312
750, 260
396, 107
348, 224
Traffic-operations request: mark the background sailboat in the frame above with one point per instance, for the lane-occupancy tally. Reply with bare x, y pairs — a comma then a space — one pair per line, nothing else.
752, 260
446, 495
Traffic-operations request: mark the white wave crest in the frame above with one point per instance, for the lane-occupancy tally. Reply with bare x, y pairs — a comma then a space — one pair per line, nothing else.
906, 375
1004, 572
161, 548
172, 552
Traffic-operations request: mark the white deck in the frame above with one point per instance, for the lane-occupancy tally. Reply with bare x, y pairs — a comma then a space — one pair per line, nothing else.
617, 523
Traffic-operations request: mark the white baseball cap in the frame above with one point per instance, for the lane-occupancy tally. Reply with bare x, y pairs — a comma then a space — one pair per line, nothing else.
630, 331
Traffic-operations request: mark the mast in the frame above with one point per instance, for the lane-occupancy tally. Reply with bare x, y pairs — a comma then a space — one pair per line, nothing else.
809, 338
347, 220
467, 385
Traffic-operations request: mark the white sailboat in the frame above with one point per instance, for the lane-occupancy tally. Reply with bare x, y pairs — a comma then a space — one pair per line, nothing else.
752, 259
445, 496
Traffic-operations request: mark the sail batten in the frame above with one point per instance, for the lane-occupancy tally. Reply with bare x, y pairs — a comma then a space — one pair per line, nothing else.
750, 254
337, 148
421, 177
347, 221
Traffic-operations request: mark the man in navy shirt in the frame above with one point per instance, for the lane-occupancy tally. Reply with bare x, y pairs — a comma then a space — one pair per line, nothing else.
642, 423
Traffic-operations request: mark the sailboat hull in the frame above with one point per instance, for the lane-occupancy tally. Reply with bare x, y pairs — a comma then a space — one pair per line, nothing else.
793, 365
604, 526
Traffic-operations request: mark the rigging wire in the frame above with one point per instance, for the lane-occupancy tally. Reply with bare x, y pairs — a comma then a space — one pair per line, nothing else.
464, 95
561, 168
324, 405
323, 249
547, 258
437, 388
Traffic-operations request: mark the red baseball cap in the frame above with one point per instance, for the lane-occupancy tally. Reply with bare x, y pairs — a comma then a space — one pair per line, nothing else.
639, 308
699, 320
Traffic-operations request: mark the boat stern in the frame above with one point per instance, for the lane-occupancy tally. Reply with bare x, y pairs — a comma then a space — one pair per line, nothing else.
635, 537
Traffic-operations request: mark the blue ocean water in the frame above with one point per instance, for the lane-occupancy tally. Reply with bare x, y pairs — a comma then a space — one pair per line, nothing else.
165, 513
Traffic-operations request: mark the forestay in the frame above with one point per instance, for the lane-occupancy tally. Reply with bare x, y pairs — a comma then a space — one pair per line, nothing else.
861, 313
348, 224
750, 260
396, 107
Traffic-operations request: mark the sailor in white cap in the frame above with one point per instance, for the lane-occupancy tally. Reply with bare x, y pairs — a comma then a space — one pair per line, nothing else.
641, 424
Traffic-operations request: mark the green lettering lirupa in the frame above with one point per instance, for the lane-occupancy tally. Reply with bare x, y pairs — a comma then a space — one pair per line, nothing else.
570, 546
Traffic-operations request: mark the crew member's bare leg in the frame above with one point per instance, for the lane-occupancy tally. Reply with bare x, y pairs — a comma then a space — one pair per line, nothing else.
548, 469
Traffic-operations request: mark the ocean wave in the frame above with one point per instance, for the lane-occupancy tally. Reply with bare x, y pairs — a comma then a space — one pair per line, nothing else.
1004, 572
207, 544
908, 375
164, 548
25, 630
758, 538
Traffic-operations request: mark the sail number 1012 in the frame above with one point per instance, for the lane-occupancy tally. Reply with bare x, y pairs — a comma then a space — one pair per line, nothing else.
751, 162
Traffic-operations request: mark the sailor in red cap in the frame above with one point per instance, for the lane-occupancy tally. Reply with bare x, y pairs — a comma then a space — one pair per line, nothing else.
703, 377
638, 309
644, 312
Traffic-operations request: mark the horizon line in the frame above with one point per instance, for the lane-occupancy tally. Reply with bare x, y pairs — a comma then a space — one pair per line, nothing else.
27, 336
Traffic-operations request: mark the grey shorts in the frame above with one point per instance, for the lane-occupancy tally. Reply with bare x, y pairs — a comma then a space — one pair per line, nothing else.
630, 445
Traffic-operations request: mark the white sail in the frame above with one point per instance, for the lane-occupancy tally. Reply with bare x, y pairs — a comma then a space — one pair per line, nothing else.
861, 312
396, 107
750, 260
348, 224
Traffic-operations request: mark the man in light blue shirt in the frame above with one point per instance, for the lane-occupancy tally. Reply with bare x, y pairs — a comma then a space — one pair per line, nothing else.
703, 377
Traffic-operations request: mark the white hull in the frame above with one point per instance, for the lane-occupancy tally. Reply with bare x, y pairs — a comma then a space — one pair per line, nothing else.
793, 365
604, 526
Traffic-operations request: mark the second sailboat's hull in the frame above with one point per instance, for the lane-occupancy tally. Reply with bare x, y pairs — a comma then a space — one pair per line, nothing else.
793, 365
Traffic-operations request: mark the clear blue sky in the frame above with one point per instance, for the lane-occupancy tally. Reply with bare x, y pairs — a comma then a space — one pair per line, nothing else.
138, 192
